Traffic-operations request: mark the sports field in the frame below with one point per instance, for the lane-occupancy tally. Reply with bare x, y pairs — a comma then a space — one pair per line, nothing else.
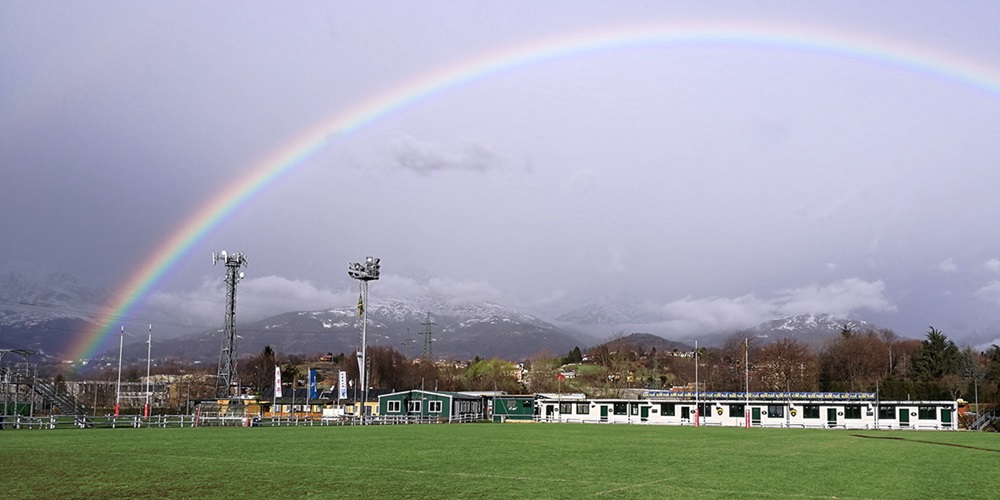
497, 461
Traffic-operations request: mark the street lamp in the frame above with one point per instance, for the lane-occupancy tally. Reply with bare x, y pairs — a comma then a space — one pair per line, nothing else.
364, 273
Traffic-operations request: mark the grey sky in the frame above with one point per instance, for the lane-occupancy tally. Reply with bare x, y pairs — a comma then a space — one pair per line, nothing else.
718, 184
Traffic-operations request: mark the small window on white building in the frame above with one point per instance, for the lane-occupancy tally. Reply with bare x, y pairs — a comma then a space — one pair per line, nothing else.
775, 411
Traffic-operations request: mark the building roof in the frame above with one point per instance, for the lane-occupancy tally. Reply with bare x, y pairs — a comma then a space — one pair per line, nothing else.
453, 395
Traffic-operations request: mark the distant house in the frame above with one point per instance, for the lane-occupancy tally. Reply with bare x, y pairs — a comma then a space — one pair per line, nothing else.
447, 406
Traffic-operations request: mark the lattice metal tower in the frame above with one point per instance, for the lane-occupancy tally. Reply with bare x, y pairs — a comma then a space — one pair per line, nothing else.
227, 358
428, 352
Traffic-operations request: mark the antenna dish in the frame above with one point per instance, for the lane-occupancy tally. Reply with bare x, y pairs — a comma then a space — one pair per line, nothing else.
224, 255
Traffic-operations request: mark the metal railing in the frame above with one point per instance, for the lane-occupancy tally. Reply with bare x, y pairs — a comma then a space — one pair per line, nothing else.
67, 404
221, 420
985, 419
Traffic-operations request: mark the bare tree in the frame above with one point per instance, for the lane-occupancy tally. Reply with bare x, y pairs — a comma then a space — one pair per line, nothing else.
788, 365
853, 362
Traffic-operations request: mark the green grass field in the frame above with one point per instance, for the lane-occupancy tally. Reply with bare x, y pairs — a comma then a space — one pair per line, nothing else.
496, 461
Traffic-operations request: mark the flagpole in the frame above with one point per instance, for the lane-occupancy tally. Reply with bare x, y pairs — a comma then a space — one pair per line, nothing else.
697, 406
149, 353
118, 388
277, 391
746, 368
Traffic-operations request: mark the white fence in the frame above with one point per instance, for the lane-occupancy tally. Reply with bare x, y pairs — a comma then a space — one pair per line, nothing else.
178, 421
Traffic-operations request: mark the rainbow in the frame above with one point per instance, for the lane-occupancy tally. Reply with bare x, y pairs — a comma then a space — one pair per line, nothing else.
885, 51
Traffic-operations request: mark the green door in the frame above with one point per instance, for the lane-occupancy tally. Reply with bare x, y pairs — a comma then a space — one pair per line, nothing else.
946, 417
831, 417
904, 417
604, 413
755, 416
644, 413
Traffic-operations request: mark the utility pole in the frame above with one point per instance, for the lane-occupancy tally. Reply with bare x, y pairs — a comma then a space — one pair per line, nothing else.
227, 358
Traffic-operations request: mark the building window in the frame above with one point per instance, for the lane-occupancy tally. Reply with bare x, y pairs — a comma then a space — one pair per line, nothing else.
393, 407
927, 413
434, 406
736, 411
621, 408
566, 408
582, 409
852, 412
705, 409
667, 409
413, 406
634, 409
887, 411
775, 411
810, 411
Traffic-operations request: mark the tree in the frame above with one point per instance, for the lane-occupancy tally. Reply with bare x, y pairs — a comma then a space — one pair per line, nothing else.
889, 339
728, 364
853, 362
258, 371
493, 375
542, 374
938, 356
390, 369
574, 356
787, 365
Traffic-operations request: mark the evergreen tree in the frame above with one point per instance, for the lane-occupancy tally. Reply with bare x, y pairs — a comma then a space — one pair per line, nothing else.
938, 356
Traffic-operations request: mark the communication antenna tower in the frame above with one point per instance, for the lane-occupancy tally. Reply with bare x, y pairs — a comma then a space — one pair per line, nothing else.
428, 354
227, 358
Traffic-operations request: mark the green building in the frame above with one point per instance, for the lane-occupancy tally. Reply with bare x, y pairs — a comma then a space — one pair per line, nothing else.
513, 408
439, 405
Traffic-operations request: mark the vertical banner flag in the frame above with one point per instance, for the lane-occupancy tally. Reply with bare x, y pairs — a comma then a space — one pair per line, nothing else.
361, 305
342, 385
313, 392
277, 382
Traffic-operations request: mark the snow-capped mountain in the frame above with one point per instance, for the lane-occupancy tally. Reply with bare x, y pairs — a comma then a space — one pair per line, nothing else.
809, 328
41, 312
608, 312
57, 294
459, 331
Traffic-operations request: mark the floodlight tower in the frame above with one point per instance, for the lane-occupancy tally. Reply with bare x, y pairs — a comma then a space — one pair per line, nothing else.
227, 358
427, 354
364, 273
